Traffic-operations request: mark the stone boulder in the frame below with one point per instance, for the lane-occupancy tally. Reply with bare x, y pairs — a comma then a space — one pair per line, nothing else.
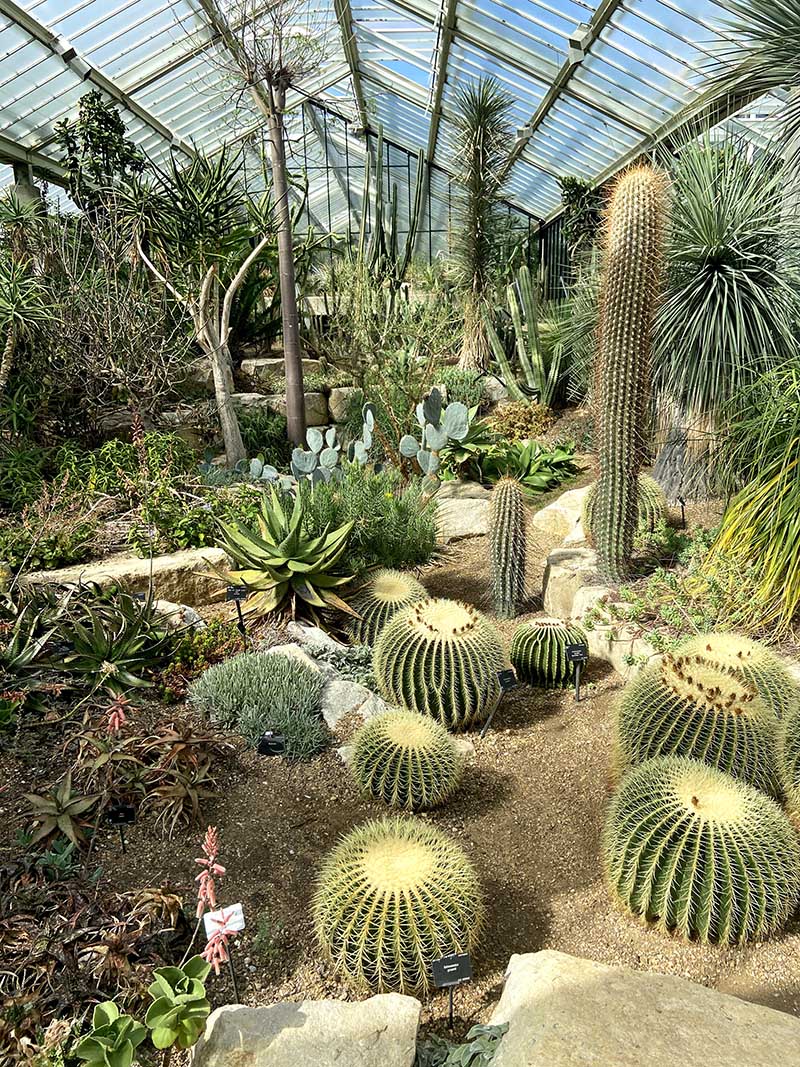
462, 511
259, 372
339, 401
379, 1032
568, 1012
560, 522
316, 405
566, 572
342, 696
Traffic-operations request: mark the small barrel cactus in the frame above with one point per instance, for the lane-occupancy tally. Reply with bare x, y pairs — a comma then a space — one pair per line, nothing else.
406, 760
685, 706
651, 506
701, 853
382, 596
752, 661
393, 896
441, 658
539, 652
507, 546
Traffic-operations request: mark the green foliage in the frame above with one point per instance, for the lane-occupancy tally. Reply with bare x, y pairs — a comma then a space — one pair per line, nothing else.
462, 386
406, 760
539, 652
441, 658
121, 468
651, 507
23, 467
353, 662
520, 420
264, 434
260, 691
177, 1016
635, 226
583, 207
686, 705
60, 811
28, 545
113, 1038
394, 895
478, 1050
464, 458
508, 547
381, 596
195, 651
701, 853
537, 468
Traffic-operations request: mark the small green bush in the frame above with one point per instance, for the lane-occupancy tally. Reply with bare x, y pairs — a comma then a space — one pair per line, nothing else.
462, 386
265, 434
120, 467
519, 421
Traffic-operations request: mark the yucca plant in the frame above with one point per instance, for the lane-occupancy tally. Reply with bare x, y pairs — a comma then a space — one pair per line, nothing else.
393, 896
700, 853
286, 568
383, 594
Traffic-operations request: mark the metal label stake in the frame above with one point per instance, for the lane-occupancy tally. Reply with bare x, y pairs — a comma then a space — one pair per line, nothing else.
238, 593
577, 654
508, 680
449, 972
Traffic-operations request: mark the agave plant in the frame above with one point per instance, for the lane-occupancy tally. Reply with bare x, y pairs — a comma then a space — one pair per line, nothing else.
283, 565
60, 810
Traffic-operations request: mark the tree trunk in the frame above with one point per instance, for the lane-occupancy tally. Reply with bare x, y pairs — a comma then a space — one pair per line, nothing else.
219, 355
295, 400
475, 351
7, 359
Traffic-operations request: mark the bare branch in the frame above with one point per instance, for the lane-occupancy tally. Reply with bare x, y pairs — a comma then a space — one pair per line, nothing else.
168, 285
227, 303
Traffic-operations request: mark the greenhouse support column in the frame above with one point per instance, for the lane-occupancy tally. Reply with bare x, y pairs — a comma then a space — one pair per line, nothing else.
295, 400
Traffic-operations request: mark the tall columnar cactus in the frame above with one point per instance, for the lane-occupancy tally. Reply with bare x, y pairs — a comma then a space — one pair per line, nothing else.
651, 506
539, 652
752, 661
507, 546
383, 594
393, 896
407, 760
685, 706
634, 251
441, 658
700, 853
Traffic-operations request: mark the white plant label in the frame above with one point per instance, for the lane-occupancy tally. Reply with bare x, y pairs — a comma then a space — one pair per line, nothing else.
230, 919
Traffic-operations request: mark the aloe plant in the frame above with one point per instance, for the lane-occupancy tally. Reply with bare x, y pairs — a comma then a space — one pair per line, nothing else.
282, 564
113, 1038
61, 810
179, 1010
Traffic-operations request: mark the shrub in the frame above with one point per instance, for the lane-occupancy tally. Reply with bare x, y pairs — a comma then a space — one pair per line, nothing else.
701, 853
383, 594
23, 466
406, 760
441, 658
260, 691
518, 421
507, 547
539, 652
120, 467
194, 652
264, 434
462, 386
393, 896
686, 706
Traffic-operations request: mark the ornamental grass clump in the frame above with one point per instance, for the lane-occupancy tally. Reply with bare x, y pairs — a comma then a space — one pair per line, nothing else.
700, 853
406, 760
539, 652
380, 598
393, 896
441, 658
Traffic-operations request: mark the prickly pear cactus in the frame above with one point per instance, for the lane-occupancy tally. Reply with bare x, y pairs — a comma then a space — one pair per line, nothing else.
539, 652
629, 294
383, 594
507, 547
651, 507
700, 853
439, 425
686, 706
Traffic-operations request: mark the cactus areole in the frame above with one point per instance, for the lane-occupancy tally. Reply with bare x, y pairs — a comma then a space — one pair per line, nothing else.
634, 252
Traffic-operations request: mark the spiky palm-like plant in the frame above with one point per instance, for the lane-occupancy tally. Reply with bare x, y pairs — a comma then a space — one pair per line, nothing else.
483, 137
441, 658
508, 546
700, 853
651, 506
754, 662
539, 652
406, 760
394, 895
383, 594
688, 706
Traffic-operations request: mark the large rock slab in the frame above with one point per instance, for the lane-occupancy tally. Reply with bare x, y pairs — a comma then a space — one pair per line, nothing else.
560, 521
339, 402
462, 511
260, 372
568, 1012
316, 405
181, 577
566, 572
379, 1032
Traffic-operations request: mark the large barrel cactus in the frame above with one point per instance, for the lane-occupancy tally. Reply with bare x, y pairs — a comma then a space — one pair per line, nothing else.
634, 231
685, 706
651, 508
539, 652
701, 853
441, 658
507, 546
393, 896
789, 759
752, 661
407, 760
383, 594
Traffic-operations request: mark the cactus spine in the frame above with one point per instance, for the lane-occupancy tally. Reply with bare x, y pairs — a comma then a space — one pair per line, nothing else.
651, 508
406, 760
539, 652
440, 658
507, 547
700, 853
381, 597
789, 759
634, 239
394, 895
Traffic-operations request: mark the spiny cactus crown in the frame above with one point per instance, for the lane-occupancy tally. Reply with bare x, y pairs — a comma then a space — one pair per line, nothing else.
539, 652
507, 543
651, 506
383, 594
406, 760
394, 895
701, 853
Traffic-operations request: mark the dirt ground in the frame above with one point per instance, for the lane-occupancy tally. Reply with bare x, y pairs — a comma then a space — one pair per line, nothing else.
529, 814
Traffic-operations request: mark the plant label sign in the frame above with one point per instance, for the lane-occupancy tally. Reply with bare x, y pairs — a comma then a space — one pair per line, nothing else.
237, 593
121, 815
577, 653
230, 919
507, 679
272, 744
451, 970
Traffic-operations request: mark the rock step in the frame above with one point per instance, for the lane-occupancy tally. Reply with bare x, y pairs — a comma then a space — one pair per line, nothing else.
261, 370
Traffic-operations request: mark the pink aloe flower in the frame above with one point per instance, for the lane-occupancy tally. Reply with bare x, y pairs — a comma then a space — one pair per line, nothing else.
207, 890
116, 714
216, 950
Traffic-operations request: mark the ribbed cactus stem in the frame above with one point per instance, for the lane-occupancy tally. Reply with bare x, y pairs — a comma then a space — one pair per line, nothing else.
634, 239
507, 547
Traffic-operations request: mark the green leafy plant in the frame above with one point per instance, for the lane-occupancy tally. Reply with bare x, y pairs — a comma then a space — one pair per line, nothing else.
440, 425
465, 458
194, 652
583, 207
61, 811
520, 420
700, 853
381, 596
535, 467
393, 896
179, 1010
539, 652
478, 1050
508, 547
113, 1039
464, 386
